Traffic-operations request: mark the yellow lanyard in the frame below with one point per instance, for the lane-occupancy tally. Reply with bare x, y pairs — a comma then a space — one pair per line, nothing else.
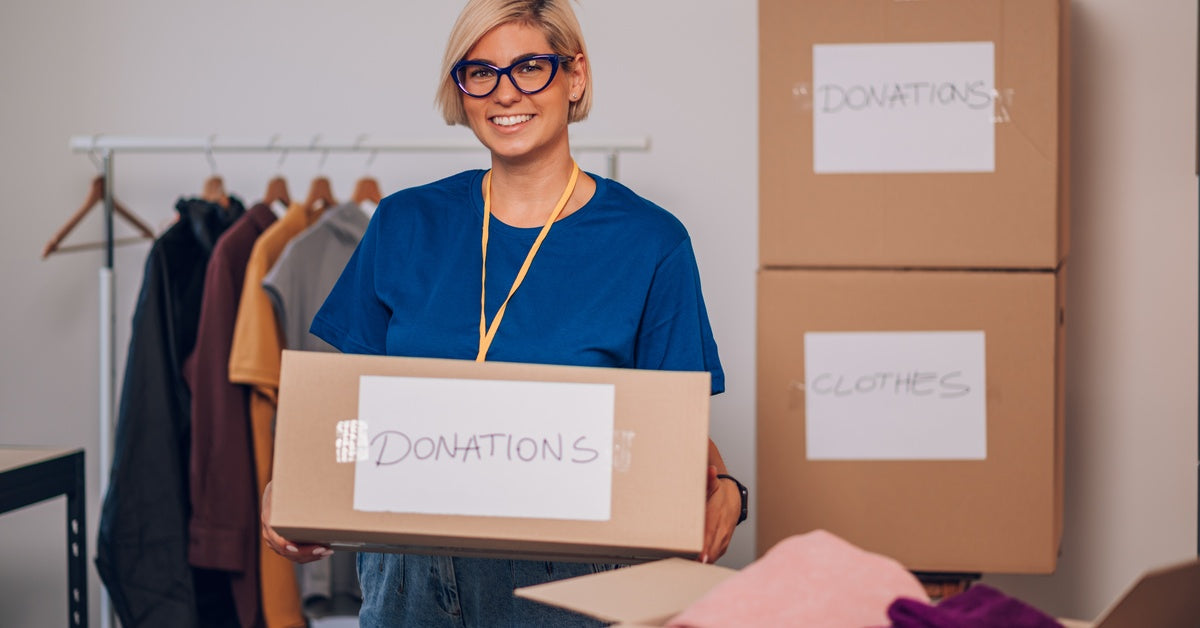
486, 333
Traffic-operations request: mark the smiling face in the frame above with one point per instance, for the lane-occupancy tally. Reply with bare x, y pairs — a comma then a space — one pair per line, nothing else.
520, 127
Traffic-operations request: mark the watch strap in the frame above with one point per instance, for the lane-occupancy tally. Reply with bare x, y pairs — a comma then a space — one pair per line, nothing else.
745, 494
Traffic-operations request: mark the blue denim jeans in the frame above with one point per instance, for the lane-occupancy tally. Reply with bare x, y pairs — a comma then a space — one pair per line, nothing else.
408, 590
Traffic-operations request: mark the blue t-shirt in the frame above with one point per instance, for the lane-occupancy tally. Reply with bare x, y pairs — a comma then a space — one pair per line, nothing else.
614, 284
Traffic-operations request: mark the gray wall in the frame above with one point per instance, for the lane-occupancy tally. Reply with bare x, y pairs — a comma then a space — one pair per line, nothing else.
684, 73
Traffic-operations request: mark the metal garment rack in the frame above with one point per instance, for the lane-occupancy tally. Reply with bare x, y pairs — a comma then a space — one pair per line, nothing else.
107, 146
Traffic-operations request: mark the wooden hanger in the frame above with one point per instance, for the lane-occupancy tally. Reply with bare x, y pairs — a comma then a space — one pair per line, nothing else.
214, 185
277, 191
95, 196
320, 195
367, 189
214, 191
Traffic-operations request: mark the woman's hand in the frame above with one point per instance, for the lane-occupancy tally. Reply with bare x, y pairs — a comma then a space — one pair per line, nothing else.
721, 512
294, 552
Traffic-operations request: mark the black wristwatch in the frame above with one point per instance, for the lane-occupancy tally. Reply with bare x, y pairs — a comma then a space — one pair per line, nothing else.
741, 490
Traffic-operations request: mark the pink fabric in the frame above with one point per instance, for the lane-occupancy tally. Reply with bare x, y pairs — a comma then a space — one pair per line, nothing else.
812, 580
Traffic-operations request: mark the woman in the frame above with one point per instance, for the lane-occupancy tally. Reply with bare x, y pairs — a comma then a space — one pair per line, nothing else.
605, 278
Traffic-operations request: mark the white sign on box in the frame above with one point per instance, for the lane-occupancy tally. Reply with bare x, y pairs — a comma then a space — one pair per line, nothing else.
486, 448
921, 107
895, 395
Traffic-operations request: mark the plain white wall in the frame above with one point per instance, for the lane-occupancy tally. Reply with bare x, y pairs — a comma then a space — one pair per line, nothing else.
684, 73
1131, 304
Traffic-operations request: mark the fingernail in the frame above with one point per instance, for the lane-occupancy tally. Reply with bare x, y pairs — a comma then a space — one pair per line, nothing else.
322, 551
292, 548
704, 558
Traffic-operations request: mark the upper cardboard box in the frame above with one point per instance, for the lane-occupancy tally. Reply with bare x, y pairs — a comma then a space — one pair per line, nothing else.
927, 134
404, 465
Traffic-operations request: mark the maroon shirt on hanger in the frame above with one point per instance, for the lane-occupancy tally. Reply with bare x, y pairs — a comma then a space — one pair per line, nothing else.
224, 527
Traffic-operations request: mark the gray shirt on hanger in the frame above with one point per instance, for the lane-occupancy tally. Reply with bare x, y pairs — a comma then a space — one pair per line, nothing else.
297, 284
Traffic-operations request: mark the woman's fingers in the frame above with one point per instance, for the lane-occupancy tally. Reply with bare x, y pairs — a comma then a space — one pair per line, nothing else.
296, 552
719, 517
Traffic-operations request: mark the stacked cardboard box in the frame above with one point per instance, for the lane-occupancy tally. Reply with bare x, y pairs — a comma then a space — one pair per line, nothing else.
913, 244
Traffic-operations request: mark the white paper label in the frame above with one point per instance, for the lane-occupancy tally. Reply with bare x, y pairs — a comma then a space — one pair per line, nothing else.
904, 108
895, 395
486, 448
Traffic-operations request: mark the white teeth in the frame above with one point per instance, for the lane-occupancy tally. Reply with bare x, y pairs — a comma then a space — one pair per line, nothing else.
511, 120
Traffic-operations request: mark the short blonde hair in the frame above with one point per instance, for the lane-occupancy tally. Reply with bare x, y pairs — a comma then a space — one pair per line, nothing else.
555, 19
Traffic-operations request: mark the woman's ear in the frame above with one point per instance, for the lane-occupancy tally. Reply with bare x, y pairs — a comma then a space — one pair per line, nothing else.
579, 70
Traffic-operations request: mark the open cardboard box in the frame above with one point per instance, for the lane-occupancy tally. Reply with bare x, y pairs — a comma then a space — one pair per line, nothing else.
643, 595
659, 431
1166, 596
653, 593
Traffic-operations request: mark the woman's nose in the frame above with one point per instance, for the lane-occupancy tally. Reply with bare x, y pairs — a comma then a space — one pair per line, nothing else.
506, 91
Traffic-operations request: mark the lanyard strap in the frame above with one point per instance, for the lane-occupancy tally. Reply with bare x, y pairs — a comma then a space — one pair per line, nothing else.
487, 333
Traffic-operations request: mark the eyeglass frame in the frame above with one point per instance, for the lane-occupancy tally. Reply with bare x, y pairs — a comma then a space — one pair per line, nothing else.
555, 59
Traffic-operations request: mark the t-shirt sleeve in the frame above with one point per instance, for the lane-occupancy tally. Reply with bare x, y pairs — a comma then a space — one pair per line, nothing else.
277, 284
674, 334
353, 318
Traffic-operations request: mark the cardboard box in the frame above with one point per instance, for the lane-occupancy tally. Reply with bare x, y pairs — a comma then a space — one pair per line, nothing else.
883, 143
936, 484
1165, 596
644, 595
659, 423
650, 594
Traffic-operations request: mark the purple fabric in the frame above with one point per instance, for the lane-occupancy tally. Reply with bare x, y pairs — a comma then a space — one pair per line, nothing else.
978, 607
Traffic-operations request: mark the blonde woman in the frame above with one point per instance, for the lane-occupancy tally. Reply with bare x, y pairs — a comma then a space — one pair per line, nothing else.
613, 283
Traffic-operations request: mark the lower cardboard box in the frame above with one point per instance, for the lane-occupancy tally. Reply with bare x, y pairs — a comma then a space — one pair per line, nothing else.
490, 459
915, 413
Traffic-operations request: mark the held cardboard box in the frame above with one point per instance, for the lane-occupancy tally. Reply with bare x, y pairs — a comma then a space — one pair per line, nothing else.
659, 424
916, 414
925, 134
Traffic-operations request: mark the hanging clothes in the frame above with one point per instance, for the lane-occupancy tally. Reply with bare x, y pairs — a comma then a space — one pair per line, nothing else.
254, 358
224, 528
142, 550
297, 285
306, 270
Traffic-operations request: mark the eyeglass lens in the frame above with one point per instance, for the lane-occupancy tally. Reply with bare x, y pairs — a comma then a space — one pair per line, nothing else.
529, 75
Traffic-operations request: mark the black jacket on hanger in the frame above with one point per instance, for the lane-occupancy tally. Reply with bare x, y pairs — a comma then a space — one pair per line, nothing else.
142, 545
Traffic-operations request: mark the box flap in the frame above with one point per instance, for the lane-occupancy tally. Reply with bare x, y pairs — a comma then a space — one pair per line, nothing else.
1161, 597
648, 594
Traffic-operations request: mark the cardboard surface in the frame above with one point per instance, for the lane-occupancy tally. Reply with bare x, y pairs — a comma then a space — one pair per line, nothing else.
648, 594
651, 594
658, 479
1001, 514
1161, 597
1013, 217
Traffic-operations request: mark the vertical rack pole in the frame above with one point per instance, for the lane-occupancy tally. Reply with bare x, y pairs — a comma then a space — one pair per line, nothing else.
612, 165
108, 362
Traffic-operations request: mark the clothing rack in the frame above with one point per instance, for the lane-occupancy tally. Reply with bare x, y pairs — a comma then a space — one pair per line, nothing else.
107, 146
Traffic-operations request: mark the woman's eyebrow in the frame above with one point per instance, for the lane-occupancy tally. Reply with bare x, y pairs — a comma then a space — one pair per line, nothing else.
517, 59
